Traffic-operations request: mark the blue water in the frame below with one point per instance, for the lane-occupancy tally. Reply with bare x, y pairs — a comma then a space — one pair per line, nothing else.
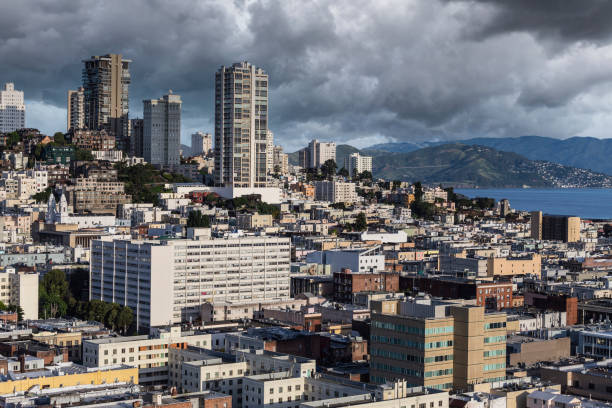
583, 202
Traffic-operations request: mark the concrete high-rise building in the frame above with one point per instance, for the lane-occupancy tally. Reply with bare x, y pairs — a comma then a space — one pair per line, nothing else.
76, 109
270, 152
201, 143
12, 109
437, 344
320, 152
21, 290
280, 160
106, 80
357, 164
137, 137
162, 130
554, 227
168, 281
335, 191
241, 126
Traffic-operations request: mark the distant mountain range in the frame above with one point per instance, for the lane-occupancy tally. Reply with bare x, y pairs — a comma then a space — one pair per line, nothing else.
463, 165
583, 152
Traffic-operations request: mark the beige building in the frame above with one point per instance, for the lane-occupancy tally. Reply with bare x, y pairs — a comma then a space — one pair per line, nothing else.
317, 153
436, 344
20, 289
554, 227
241, 126
357, 164
201, 143
335, 191
148, 353
106, 80
15, 228
96, 196
252, 221
528, 265
76, 109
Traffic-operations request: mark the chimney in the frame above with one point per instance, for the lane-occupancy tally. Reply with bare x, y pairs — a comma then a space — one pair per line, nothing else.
22, 363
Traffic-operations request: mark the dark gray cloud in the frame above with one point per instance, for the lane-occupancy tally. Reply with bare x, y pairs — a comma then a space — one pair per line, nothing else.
355, 71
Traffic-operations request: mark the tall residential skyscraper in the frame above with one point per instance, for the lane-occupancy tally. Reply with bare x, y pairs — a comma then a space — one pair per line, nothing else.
201, 143
137, 137
241, 126
270, 152
12, 109
162, 130
76, 109
106, 80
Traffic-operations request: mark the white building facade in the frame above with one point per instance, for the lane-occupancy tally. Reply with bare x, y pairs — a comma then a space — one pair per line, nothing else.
335, 191
357, 164
168, 281
12, 109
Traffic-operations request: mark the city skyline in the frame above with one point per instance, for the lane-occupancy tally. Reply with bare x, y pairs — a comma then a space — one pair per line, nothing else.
484, 72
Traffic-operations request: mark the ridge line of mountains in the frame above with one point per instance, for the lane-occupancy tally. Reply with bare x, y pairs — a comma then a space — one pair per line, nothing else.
527, 161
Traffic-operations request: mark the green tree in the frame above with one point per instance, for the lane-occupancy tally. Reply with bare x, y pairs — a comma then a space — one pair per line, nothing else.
59, 138
83, 155
328, 169
361, 223
43, 196
196, 219
343, 172
418, 191
124, 319
365, 175
53, 294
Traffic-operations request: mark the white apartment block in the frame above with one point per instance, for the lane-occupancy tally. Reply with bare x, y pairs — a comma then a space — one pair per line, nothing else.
270, 151
149, 353
280, 159
40, 177
335, 191
168, 281
15, 228
12, 109
320, 152
201, 143
357, 260
357, 164
20, 289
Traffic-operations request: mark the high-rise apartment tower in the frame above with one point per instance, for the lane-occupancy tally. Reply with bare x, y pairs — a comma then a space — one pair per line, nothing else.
76, 109
241, 126
12, 109
162, 130
106, 80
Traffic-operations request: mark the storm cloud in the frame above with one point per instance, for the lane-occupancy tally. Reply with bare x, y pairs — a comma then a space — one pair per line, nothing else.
353, 71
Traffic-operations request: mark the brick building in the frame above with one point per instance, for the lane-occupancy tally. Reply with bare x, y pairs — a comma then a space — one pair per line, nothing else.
558, 302
346, 283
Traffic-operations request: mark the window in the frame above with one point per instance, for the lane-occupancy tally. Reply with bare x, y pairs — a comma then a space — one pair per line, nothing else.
440, 403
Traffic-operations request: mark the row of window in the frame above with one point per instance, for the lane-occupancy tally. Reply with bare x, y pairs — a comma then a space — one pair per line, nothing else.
495, 353
497, 366
494, 339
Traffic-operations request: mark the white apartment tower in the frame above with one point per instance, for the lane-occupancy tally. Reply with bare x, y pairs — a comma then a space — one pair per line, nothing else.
12, 109
201, 143
356, 163
162, 130
168, 281
317, 153
241, 126
76, 109
270, 152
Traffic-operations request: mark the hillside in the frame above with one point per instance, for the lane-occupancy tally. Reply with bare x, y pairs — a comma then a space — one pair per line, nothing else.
476, 166
583, 152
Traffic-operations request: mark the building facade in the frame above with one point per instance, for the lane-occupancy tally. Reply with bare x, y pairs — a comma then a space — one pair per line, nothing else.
335, 191
168, 281
357, 164
106, 81
12, 109
555, 227
162, 130
317, 153
20, 289
76, 109
201, 143
241, 126
436, 344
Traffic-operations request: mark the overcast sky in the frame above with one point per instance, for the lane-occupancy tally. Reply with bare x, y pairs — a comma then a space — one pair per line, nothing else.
353, 71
